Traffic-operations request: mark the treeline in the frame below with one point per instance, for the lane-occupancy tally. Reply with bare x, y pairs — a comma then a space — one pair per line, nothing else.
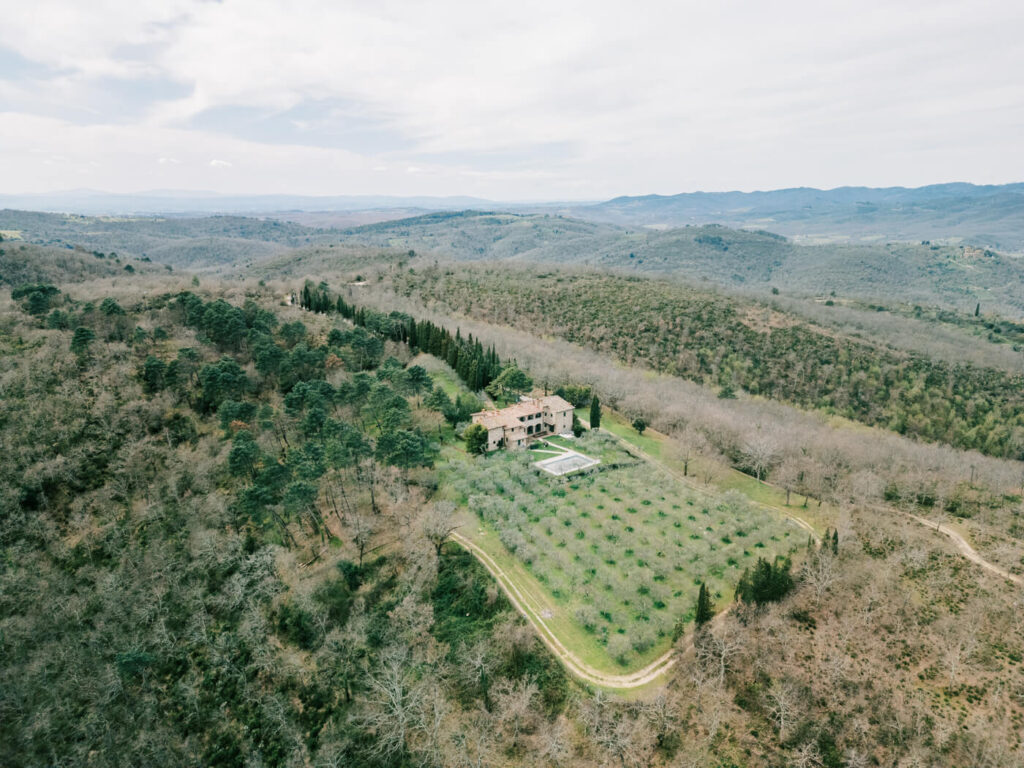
723, 343
475, 365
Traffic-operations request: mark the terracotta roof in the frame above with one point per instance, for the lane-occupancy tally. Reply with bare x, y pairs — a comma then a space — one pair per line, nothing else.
491, 419
555, 403
508, 418
523, 408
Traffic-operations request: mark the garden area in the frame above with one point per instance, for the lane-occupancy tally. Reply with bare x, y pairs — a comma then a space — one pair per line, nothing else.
621, 548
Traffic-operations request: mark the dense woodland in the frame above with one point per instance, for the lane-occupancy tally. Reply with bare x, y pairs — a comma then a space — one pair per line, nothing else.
225, 537
171, 461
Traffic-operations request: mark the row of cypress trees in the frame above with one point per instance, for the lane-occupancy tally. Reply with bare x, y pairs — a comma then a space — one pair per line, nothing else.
476, 365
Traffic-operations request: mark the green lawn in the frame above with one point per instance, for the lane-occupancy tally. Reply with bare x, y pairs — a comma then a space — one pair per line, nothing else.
563, 442
541, 455
617, 553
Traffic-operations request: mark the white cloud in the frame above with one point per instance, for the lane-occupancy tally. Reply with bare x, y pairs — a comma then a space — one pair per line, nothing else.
168, 161
541, 99
219, 164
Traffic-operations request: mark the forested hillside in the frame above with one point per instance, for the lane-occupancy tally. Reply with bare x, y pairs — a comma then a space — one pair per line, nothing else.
22, 263
953, 276
218, 547
196, 242
732, 346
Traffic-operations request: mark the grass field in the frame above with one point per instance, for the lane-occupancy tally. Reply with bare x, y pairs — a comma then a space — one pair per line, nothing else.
563, 442
620, 552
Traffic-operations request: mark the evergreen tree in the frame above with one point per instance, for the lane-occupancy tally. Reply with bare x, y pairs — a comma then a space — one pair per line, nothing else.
511, 381
438, 400
595, 412
704, 611
80, 342
476, 439
153, 373
404, 448
767, 583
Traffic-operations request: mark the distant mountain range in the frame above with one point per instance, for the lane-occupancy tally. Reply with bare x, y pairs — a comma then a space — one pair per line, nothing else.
985, 216
89, 202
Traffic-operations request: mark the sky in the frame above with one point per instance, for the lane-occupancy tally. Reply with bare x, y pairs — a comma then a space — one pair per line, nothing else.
509, 101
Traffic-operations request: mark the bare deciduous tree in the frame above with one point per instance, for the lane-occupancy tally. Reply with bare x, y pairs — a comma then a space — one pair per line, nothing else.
554, 742
819, 571
514, 706
782, 700
438, 523
761, 451
362, 529
390, 709
718, 647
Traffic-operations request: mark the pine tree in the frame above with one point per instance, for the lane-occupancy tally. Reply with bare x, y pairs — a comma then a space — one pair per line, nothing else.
80, 342
704, 611
595, 413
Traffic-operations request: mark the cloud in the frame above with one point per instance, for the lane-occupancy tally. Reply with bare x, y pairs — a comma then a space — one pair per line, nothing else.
529, 99
220, 164
168, 161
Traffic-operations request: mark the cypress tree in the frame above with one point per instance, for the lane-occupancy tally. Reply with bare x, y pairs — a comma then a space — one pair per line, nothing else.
704, 612
595, 412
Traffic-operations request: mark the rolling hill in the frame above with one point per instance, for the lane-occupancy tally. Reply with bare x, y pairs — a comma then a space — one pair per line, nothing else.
985, 216
956, 276
180, 242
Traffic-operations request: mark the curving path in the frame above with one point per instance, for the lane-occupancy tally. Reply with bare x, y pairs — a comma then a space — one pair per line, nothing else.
528, 608
966, 549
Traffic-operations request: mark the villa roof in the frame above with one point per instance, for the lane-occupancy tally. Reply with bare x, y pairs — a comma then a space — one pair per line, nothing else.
493, 419
556, 403
523, 408
508, 418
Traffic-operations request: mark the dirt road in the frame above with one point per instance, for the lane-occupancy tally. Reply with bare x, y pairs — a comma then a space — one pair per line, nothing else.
572, 662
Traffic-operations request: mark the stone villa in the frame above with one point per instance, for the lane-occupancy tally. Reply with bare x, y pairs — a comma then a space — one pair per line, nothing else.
515, 426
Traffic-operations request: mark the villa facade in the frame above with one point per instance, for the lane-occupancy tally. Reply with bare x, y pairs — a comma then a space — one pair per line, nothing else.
517, 425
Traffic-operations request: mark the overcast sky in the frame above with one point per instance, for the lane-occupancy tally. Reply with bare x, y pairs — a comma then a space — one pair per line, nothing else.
510, 100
